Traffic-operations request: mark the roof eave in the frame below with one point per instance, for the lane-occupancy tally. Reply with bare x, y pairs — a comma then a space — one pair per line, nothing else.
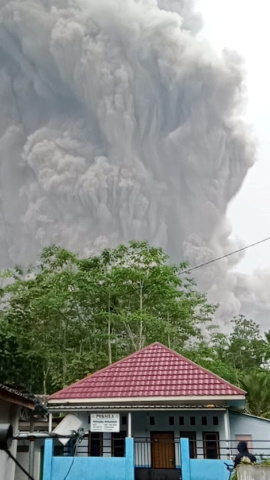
198, 399
16, 399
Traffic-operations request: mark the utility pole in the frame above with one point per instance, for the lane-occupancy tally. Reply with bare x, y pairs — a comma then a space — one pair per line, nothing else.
31, 447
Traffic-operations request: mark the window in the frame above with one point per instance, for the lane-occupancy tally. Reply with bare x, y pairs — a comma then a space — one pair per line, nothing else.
215, 420
192, 442
124, 420
152, 420
118, 444
95, 445
181, 420
171, 420
244, 438
192, 421
204, 420
211, 445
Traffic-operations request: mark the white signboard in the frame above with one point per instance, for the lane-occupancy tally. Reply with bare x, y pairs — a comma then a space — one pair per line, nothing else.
105, 422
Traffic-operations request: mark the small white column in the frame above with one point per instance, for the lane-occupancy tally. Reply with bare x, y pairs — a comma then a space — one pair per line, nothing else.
50, 422
129, 424
227, 431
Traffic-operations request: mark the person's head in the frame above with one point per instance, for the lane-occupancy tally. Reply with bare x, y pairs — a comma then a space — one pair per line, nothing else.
242, 447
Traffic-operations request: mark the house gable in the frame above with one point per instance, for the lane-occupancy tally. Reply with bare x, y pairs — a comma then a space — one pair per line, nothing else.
153, 373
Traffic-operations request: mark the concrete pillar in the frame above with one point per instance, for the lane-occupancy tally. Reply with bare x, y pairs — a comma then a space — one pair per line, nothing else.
130, 461
50, 422
227, 432
185, 458
48, 459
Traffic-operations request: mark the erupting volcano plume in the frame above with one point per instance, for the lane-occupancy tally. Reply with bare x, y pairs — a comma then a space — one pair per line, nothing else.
117, 123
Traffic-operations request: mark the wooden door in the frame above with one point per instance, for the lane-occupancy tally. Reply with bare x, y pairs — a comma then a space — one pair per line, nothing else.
162, 450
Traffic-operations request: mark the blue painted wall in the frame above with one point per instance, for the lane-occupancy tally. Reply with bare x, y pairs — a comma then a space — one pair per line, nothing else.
258, 428
208, 470
197, 469
93, 468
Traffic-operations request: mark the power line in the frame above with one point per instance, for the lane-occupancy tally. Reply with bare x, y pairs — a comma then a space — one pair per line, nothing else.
75, 449
226, 255
73, 460
18, 464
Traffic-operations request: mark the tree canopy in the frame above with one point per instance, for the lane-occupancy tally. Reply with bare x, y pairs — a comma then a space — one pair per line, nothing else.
67, 316
71, 316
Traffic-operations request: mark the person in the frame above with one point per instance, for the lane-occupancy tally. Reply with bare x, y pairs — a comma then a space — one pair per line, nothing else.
243, 454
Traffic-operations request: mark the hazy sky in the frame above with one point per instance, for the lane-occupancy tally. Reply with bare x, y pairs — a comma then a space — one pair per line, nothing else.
244, 26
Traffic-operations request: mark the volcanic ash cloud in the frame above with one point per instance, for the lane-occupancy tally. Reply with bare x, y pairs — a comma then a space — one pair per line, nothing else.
116, 123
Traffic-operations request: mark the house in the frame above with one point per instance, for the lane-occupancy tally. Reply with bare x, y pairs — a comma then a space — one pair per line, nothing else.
11, 403
137, 410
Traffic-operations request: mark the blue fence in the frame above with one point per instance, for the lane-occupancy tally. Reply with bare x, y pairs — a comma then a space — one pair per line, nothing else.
122, 468
201, 469
96, 468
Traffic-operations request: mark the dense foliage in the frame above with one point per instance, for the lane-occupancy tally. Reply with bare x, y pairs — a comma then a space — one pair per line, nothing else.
66, 317
69, 316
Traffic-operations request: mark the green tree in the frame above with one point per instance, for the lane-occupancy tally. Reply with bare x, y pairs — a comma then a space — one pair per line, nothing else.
241, 357
246, 347
148, 299
257, 386
73, 316
44, 310
209, 356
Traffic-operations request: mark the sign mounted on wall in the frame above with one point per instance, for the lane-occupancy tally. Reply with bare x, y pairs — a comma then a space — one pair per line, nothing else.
105, 422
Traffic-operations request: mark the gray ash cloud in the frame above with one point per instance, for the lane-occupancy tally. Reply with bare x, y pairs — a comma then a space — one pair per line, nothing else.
117, 123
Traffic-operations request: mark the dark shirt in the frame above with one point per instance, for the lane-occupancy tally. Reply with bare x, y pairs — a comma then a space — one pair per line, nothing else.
240, 455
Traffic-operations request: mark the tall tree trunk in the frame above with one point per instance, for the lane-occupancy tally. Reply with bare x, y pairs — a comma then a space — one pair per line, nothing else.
109, 331
64, 368
141, 322
44, 382
169, 335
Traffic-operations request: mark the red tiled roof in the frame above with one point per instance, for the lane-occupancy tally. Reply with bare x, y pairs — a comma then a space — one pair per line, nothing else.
154, 371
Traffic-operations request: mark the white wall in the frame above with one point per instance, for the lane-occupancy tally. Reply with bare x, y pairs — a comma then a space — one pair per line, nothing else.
9, 414
141, 428
250, 472
23, 458
141, 422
